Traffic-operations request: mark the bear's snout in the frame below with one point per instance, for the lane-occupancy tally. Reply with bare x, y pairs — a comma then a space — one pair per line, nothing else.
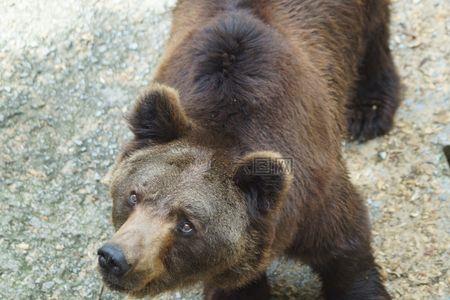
111, 260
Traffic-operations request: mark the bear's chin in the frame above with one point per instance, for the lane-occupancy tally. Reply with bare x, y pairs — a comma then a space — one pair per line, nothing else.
158, 286
150, 289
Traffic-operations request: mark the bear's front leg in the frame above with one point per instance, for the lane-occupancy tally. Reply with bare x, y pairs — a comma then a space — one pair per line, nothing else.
355, 278
258, 289
335, 241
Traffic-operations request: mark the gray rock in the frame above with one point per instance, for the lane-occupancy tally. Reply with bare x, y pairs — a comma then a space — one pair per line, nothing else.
69, 74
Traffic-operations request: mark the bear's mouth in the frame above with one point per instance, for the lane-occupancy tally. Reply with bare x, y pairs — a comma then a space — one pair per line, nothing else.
115, 287
134, 289
123, 286
137, 291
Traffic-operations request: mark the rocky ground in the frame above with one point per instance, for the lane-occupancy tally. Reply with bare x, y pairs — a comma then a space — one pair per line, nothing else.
70, 69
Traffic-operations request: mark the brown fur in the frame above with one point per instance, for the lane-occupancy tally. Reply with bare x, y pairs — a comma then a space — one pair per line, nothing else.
259, 81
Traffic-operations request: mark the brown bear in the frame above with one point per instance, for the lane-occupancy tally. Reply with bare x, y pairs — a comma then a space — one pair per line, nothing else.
236, 158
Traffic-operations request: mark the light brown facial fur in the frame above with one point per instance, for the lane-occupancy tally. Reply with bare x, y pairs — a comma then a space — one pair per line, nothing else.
142, 238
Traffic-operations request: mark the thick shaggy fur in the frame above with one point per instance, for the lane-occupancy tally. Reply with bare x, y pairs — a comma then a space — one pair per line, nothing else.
277, 79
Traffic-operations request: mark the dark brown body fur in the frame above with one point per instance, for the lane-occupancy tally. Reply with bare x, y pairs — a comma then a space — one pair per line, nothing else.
290, 77
321, 66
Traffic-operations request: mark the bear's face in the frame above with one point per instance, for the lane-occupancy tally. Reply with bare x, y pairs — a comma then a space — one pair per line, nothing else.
177, 218
181, 215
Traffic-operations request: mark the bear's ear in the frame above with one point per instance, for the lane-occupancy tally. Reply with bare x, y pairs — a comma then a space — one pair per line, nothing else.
265, 178
158, 115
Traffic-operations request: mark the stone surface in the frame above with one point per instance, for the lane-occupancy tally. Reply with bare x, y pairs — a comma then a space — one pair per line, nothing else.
70, 69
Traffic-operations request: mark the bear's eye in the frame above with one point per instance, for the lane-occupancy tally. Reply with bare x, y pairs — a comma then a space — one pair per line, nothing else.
185, 227
132, 200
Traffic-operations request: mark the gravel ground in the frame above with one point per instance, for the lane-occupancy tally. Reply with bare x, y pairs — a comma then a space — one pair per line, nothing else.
70, 69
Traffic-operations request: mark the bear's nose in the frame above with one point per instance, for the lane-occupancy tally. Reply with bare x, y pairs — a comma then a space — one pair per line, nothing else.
112, 260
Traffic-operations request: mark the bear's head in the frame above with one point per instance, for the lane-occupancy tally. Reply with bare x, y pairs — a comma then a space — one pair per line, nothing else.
187, 211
